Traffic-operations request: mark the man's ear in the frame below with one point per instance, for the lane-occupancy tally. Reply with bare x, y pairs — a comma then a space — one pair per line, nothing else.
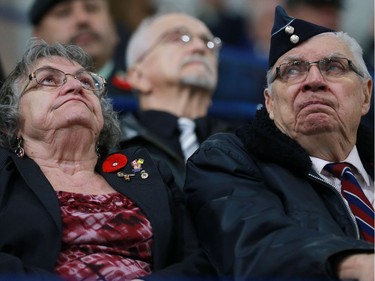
367, 92
138, 81
268, 102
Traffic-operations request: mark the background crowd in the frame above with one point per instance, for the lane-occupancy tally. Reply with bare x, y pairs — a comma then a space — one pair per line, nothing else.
179, 81
243, 26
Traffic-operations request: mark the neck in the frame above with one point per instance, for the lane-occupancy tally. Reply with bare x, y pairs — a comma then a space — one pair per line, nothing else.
182, 102
331, 147
72, 150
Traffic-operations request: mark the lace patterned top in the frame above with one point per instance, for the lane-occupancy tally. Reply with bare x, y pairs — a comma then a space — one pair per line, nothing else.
105, 237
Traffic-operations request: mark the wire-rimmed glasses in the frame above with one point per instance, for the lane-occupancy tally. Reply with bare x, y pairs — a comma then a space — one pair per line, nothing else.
297, 70
182, 35
52, 77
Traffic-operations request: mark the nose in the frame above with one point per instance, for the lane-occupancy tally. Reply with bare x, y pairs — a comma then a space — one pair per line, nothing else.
72, 83
314, 80
80, 14
199, 44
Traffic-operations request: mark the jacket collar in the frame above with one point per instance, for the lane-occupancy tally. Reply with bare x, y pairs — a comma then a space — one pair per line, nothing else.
265, 141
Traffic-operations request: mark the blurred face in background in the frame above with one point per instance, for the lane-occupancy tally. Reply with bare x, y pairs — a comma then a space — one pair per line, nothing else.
171, 61
86, 23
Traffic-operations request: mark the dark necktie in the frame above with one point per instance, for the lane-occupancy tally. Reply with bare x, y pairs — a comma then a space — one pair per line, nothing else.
188, 138
358, 202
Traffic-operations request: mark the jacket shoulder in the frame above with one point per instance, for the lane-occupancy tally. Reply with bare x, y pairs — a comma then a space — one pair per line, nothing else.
221, 150
224, 141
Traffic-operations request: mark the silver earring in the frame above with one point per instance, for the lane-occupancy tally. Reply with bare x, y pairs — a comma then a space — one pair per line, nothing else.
20, 152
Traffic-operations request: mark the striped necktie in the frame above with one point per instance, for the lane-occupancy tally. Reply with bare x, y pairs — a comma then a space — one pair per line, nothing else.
188, 138
361, 207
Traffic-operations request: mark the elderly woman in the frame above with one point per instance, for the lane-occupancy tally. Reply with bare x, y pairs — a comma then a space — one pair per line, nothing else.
67, 208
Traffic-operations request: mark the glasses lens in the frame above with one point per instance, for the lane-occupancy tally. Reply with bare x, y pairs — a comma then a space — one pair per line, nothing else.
49, 77
89, 80
175, 36
293, 71
333, 67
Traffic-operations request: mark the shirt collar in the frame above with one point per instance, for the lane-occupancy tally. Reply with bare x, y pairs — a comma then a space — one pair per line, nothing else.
159, 122
353, 159
107, 69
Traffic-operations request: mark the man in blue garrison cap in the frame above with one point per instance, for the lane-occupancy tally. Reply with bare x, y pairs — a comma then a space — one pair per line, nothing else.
290, 196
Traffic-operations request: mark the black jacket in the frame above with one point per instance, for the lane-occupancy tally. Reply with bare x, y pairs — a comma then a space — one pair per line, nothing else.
136, 133
30, 222
260, 209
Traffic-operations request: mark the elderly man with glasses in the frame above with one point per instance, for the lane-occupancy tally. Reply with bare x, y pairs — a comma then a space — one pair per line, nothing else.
173, 67
291, 195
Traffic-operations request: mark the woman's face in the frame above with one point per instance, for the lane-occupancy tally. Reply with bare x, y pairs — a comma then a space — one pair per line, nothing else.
45, 110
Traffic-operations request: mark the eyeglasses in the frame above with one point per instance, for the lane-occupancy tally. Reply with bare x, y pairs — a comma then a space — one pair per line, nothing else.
52, 77
182, 35
297, 71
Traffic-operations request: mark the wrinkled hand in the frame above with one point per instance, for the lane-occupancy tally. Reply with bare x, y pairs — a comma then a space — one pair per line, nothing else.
359, 267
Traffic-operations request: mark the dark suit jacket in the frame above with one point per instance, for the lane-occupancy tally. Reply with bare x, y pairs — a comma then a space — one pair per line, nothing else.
157, 131
30, 223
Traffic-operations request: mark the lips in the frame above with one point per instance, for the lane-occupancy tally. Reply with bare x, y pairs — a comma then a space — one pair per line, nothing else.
71, 100
316, 103
315, 106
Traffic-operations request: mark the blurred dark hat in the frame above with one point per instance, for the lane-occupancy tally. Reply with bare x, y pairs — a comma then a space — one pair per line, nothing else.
288, 32
39, 8
316, 3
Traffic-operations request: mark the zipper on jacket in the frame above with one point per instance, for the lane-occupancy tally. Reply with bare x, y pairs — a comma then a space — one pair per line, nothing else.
346, 207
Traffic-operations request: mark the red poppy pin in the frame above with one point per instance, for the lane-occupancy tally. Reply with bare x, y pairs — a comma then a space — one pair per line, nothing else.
114, 162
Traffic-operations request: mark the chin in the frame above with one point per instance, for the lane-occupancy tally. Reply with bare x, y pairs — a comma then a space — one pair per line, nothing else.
316, 128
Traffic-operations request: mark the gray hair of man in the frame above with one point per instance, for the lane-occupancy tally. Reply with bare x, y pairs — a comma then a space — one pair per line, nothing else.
139, 41
354, 48
13, 86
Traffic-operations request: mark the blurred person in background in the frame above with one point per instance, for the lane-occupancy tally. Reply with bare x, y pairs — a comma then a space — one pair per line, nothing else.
172, 66
86, 23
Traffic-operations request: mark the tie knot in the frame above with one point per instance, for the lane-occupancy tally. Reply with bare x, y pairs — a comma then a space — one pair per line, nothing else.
186, 124
337, 169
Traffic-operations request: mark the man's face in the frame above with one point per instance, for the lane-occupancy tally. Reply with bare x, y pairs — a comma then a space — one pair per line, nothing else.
86, 23
170, 61
321, 102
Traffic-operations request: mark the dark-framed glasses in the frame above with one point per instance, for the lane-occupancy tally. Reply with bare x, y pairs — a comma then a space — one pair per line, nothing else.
52, 77
182, 35
296, 71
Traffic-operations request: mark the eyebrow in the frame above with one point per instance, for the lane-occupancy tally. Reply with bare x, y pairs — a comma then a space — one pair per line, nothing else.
53, 67
302, 58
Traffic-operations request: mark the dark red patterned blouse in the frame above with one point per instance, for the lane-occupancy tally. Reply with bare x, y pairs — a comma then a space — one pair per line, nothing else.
105, 237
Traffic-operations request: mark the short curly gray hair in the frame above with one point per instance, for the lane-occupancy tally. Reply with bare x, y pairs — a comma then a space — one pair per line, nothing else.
12, 88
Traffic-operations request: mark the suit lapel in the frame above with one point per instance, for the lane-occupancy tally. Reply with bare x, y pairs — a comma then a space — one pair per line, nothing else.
150, 193
41, 187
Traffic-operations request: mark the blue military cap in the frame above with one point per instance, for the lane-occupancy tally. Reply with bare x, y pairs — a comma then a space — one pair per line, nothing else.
288, 32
